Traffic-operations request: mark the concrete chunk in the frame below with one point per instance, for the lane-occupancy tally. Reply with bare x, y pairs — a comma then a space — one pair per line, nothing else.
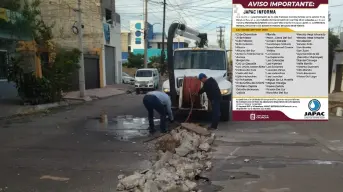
150, 186
205, 147
131, 181
160, 163
196, 129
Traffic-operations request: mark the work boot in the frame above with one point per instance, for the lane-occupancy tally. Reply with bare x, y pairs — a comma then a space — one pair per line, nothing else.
212, 128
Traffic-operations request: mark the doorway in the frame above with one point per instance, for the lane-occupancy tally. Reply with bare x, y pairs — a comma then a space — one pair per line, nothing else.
110, 58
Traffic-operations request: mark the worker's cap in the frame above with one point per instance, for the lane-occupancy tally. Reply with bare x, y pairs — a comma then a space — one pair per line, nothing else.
201, 76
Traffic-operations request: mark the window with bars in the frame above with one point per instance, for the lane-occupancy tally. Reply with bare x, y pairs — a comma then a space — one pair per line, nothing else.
3, 65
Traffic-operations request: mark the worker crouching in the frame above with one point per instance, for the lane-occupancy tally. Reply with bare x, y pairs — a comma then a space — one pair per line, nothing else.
159, 101
211, 88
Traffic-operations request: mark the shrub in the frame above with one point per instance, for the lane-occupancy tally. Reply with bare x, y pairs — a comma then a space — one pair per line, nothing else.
57, 78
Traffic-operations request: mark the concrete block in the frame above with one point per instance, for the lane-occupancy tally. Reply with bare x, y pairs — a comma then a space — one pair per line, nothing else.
205, 147
196, 129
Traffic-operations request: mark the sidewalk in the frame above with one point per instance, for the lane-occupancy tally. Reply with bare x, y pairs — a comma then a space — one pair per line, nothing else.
13, 107
100, 93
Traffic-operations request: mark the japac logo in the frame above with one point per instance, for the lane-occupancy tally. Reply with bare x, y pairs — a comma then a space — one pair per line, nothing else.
314, 107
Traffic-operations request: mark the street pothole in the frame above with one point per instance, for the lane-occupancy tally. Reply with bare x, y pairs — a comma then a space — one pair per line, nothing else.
123, 128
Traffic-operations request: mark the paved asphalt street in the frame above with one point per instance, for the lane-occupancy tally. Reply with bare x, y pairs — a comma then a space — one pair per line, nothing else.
66, 150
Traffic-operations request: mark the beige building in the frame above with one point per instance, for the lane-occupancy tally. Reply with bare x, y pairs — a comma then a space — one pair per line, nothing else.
101, 35
125, 41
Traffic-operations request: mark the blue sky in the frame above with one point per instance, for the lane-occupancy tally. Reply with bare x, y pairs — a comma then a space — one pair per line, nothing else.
203, 15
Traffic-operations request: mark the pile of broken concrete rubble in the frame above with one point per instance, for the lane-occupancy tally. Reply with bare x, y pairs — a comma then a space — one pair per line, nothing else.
182, 156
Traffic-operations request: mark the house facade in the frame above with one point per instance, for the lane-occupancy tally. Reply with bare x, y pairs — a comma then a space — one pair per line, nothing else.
101, 37
8, 47
101, 40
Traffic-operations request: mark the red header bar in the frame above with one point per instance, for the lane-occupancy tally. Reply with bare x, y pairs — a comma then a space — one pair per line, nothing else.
277, 4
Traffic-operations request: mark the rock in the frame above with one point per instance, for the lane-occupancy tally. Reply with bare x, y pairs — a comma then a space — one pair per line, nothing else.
184, 149
189, 143
208, 165
150, 186
164, 158
120, 187
174, 170
166, 176
210, 139
205, 147
150, 175
195, 128
132, 181
120, 177
197, 156
188, 170
190, 185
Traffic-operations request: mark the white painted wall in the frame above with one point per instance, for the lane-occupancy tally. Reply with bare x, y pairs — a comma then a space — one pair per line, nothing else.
133, 34
115, 41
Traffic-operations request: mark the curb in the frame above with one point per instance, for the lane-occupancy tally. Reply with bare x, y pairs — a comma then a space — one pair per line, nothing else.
33, 109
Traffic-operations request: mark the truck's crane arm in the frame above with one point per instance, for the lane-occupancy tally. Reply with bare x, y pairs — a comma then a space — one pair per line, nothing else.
185, 31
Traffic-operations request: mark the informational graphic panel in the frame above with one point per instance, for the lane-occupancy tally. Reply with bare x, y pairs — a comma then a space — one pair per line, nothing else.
280, 60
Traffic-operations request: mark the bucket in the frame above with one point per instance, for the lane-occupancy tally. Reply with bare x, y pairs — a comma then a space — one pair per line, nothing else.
339, 111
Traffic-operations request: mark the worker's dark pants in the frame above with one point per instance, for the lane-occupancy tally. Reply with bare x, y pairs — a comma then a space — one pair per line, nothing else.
215, 113
151, 103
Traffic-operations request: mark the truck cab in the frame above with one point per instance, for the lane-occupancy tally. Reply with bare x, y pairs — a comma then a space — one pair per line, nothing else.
189, 62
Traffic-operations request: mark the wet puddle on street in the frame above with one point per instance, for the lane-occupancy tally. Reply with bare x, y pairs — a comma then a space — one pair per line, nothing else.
123, 128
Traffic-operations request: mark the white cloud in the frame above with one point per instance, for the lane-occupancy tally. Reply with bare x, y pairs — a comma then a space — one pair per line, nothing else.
203, 15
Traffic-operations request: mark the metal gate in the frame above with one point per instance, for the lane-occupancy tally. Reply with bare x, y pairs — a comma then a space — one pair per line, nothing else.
338, 82
110, 54
92, 73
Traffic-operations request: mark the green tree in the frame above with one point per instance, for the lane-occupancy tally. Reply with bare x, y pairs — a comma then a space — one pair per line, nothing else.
13, 5
135, 61
333, 43
155, 62
56, 74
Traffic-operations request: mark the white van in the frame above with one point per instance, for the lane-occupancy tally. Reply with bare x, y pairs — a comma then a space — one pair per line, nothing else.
146, 79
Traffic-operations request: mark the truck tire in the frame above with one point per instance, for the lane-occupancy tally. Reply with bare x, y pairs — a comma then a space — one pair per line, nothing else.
225, 109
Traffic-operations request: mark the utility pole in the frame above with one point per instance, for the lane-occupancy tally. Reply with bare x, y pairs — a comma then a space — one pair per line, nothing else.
82, 86
146, 35
221, 39
163, 31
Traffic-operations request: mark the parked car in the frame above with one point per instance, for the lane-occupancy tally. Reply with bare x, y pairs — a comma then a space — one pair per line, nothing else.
147, 79
127, 79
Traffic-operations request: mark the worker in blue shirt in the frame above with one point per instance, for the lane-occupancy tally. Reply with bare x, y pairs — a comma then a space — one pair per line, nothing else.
159, 101
211, 88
